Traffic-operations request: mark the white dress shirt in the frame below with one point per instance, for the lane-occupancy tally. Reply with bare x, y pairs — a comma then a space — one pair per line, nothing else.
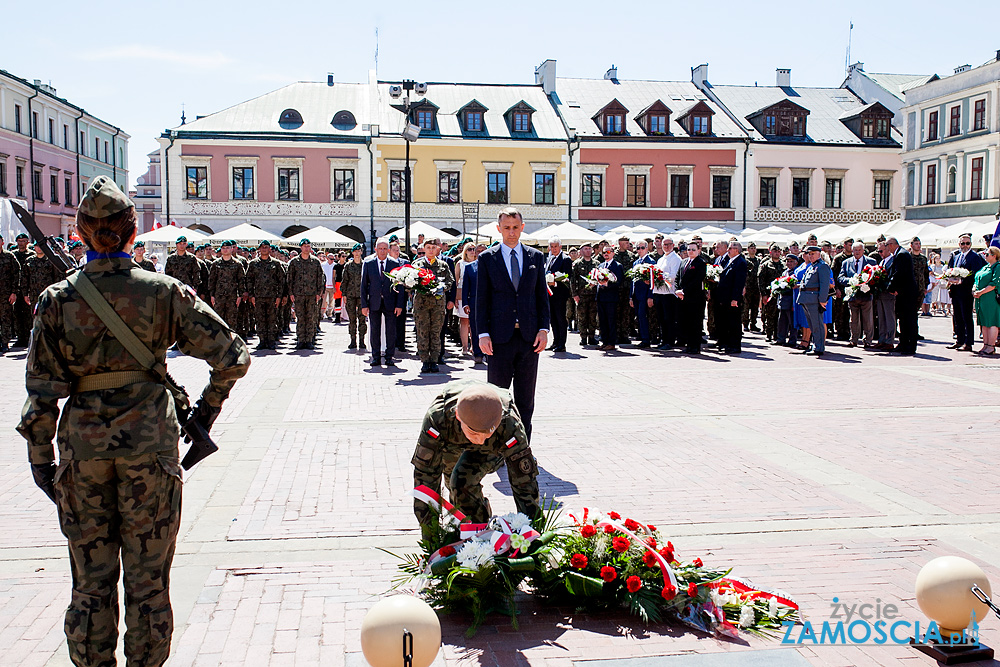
670, 264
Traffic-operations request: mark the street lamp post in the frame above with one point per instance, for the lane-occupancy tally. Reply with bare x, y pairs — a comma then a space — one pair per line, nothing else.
410, 134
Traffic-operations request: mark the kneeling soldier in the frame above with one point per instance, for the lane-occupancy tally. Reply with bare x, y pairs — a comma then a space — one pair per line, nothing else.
470, 430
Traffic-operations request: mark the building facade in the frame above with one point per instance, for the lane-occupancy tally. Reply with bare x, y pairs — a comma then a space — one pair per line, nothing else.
656, 152
51, 149
818, 155
950, 154
147, 195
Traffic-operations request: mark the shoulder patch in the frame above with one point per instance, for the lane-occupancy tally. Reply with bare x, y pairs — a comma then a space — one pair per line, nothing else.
510, 443
434, 433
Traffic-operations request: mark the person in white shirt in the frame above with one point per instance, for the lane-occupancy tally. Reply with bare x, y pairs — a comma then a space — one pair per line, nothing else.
665, 298
329, 267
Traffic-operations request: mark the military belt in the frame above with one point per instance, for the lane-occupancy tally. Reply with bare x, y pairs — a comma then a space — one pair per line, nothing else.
112, 380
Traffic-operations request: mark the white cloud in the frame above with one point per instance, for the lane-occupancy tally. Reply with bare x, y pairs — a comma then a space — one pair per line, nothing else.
153, 53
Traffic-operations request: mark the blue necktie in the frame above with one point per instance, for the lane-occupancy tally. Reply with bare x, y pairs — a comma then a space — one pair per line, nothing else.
515, 269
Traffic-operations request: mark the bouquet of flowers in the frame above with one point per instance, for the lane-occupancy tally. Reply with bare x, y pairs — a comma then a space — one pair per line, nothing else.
422, 281
599, 275
475, 569
783, 284
712, 274
955, 275
606, 561
647, 273
558, 277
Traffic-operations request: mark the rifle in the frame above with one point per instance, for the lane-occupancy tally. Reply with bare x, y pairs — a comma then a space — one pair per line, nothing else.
201, 443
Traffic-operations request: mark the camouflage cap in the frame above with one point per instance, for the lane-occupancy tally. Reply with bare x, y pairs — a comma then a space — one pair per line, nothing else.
357, 246
228, 243
104, 198
479, 407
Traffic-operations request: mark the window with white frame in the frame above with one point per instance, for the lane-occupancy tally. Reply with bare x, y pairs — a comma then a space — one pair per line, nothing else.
288, 176
196, 175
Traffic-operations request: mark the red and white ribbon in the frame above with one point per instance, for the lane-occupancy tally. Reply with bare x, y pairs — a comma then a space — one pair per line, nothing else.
432, 498
750, 591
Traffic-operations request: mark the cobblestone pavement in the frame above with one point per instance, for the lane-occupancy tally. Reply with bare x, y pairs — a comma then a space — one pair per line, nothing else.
833, 477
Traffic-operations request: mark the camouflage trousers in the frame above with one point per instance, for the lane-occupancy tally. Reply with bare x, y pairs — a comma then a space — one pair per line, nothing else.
355, 319
120, 516
428, 321
306, 318
266, 314
245, 319
769, 314
571, 313
23, 316
463, 472
225, 306
6, 321
586, 315
751, 308
626, 316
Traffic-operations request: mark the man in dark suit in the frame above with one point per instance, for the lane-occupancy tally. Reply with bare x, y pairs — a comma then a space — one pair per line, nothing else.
691, 291
962, 303
729, 300
512, 312
641, 293
470, 281
380, 302
860, 304
904, 286
607, 300
558, 262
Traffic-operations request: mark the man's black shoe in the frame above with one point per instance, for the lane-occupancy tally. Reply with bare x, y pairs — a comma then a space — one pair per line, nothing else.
362, 346
390, 363
644, 344
375, 362
352, 346
435, 369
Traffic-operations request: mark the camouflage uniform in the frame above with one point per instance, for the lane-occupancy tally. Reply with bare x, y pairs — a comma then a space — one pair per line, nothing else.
244, 317
118, 483
22, 313
921, 273
429, 311
586, 309
37, 275
350, 289
267, 285
146, 264
185, 268
751, 294
226, 285
443, 449
10, 283
769, 271
205, 267
306, 281
626, 314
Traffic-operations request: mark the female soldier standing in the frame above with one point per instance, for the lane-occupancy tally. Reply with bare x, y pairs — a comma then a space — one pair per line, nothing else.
117, 486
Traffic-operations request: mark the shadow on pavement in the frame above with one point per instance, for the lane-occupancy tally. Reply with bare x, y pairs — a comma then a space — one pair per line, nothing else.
548, 484
425, 380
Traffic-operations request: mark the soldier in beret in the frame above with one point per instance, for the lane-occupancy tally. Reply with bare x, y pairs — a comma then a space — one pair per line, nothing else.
226, 284
10, 287
267, 285
350, 288
139, 256
306, 284
184, 266
470, 430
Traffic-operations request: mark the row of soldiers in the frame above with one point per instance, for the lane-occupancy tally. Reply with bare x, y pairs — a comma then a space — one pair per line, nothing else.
24, 273
254, 296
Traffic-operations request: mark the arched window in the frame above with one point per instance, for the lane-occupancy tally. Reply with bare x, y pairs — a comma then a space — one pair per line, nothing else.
344, 120
951, 180
290, 119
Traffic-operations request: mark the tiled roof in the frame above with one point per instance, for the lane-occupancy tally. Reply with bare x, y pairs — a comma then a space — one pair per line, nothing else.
316, 102
580, 99
826, 107
450, 98
898, 84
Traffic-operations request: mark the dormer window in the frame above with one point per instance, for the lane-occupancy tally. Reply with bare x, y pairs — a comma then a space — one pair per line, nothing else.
701, 125
872, 122
519, 117
784, 119
697, 120
770, 124
425, 119
655, 119
474, 121
798, 126
611, 119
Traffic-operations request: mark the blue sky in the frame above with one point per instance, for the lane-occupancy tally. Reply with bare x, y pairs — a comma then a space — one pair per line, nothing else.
135, 69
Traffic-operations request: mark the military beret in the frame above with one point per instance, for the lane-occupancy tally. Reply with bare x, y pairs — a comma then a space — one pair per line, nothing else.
104, 198
139, 244
479, 407
182, 239
586, 245
393, 239
20, 236
228, 244
751, 245
357, 246
73, 245
774, 246
264, 243
812, 248
303, 242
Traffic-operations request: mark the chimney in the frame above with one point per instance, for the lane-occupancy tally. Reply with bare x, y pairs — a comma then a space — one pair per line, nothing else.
856, 66
329, 79
784, 78
998, 55
612, 74
962, 68
545, 75
699, 75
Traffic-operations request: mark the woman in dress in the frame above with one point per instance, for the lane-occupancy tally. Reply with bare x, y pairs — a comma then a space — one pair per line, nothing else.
464, 330
987, 307
941, 299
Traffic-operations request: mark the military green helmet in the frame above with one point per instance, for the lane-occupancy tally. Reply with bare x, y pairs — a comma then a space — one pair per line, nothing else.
104, 199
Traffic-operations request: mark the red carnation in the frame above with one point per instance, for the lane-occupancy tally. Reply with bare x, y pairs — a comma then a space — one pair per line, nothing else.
632, 524
609, 529
698, 563
667, 554
447, 551
651, 527
633, 584
588, 531
649, 558
670, 545
579, 561
608, 573
692, 590
614, 516
668, 592
651, 543
620, 544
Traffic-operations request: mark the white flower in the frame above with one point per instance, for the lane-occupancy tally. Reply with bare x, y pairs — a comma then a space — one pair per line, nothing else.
772, 607
866, 288
717, 599
516, 521
474, 554
747, 617
550, 279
